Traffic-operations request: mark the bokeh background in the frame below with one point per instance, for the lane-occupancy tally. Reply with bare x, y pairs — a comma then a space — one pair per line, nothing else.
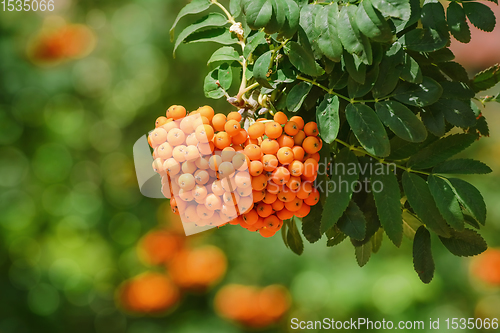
82, 251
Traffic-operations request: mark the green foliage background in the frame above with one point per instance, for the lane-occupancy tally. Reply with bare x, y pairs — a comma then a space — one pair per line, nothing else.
71, 212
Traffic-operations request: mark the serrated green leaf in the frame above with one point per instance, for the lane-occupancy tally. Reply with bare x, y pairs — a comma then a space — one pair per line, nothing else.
446, 202
433, 120
433, 16
297, 95
194, 7
411, 223
456, 90
353, 222
311, 224
254, 41
328, 40
394, 8
368, 129
372, 23
292, 17
454, 70
337, 199
278, 17
470, 198
220, 35
257, 13
441, 150
471, 221
334, 236
462, 166
457, 22
261, 69
389, 72
424, 40
356, 90
465, 243
422, 255
308, 15
456, 112
402, 149
486, 79
303, 60
284, 229
351, 37
235, 7
224, 75
376, 240
422, 94
210, 20
401, 120
388, 205
226, 54
363, 253
327, 115
480, 15
410, 71
294, 239
422, 202
355, 68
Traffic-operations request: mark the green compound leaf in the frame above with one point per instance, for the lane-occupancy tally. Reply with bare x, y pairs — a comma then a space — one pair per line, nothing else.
394, 8
470, 198
353, 222
224, 75
311, 224
423, 262
410, 71
356, 90
355, 68
456, 90
480, 15
447, 202
486, 79
388, 205
368, 129
235, 7
297, 95
351, 37
220, 35
339, 188
422, 94
441, 150
457, 22
465, 243
401, 121
327, 115
308, 15
302, 60
424, 40
433, 119
363, 253
210, 20
411, 223
335, 236
194, 7
328, 40
422, 202
292, 16
389, 72
462, 166
278, 18
257, 13
372, 23
456, 112
293, 238
261, 69
226, 54
454, 70
254, 41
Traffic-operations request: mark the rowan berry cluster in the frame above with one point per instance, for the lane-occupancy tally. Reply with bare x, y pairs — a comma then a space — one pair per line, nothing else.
215, 172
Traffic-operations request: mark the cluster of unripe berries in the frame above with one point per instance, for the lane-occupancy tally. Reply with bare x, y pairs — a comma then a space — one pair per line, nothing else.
215, 172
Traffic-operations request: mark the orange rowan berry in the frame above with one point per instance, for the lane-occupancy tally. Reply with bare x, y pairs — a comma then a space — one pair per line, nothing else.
296, 168
186, 182
240, 161
245, 204
214, 162
201, 177
170, 124
213, 202
190, 213
311, 145
310, 168
218, 121
227, 154
298, 138
187, 125
171, 166
280, 175
313, 198
269, 146
243, 180
185, 195
206, 148
251, 217
164, 150
303, 211
285, 141
256, 130
285, 155
254, 152
179, 153
191, 139
240, 137
314, 156
273, 130
273, 222
264, 210
192, 153
188, 167
176, 137
294, 205
291, 128
266, 232
278, 205
200, 192
244, 191
270, 162
293, 183
274, 188
225, 169
158, 136
258, 195
204, 133
256, 168
203, 212
228, 184
234, 116
259, 182
284, 214
232, 127
269, 198
299, 121
280, 118
217, 188
231, 198
222, 140
160, 121
176, 112
286, 195
311, 129
206, 111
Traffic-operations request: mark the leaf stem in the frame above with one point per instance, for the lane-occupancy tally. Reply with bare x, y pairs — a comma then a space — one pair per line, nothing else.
230, 17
